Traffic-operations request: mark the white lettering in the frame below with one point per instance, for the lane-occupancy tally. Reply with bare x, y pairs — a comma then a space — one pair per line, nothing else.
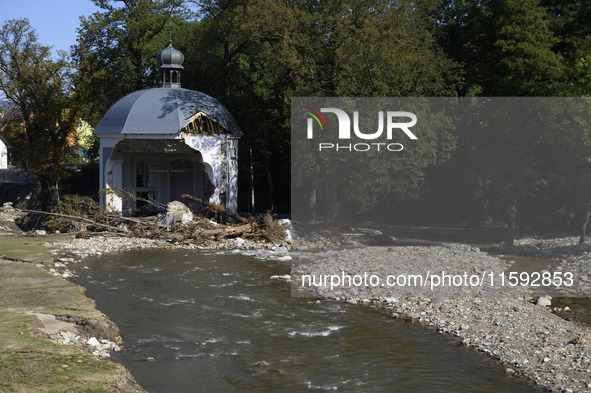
368, 136
403, 126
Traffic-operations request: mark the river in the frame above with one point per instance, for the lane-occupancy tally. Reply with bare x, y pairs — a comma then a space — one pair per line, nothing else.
216, 322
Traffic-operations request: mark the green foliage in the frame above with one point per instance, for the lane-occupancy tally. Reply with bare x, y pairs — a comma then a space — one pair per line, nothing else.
363, 181
506, 47
256, 61
116, 50
46, 107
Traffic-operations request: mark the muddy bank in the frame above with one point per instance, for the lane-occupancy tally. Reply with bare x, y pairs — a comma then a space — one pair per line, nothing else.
51, 335
502, 322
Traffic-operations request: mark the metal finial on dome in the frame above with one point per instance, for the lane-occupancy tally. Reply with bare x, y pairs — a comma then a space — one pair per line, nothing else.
170, 57
170, 61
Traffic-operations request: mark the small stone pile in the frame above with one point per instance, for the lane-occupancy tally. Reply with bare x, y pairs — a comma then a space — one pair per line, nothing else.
60, 269
102, 348
177, 212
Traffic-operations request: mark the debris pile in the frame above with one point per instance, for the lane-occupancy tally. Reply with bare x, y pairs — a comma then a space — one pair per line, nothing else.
176, 224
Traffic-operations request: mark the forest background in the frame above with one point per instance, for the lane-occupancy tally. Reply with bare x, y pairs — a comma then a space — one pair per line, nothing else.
255, 55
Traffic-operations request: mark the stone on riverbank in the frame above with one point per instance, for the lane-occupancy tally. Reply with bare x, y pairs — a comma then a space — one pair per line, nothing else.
543, 301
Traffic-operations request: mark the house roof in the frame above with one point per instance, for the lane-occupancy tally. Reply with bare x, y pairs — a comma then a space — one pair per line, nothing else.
163, 110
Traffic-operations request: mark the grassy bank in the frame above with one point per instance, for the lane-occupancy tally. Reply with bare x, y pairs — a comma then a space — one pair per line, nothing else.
32, 364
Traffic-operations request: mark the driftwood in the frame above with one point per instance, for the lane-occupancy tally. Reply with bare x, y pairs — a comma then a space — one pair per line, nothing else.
215, 208
227, 231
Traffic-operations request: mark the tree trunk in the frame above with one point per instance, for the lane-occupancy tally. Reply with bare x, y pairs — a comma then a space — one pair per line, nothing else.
585, 222
331, 203
251, 185
512, 214
227, 62
215, 208
313, 204
545, 210
226, 231
269, 178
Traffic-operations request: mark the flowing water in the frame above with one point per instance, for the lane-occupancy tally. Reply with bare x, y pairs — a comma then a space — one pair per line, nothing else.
216, 322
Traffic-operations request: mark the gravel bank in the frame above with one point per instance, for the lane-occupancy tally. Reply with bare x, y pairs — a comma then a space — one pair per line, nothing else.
99, 245
68, 253
502, 322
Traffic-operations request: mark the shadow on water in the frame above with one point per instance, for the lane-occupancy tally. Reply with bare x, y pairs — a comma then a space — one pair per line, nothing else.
435, 235
216, 322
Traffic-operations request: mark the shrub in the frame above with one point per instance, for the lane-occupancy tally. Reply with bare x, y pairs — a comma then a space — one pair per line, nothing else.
71, 205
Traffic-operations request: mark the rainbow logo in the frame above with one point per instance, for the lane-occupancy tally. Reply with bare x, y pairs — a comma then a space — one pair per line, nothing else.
313, 112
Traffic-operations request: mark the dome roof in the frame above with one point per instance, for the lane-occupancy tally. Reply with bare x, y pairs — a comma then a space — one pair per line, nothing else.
170, 57
163, 110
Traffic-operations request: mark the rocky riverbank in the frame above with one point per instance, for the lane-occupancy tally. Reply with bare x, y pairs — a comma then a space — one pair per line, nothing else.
502, 321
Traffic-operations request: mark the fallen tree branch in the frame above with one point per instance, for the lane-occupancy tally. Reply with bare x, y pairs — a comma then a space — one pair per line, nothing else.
86, 220
14, 259
227, 231
215, 208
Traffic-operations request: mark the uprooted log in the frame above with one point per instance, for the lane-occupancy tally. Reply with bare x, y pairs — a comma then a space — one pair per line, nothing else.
216, 209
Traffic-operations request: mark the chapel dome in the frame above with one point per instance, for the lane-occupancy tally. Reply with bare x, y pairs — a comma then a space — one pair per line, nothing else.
170, 57
163, 110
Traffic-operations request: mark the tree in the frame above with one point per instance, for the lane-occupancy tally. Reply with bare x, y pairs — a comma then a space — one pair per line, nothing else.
116, 50
368, 48
569, 22
40, 89
363, 175
570, 163
506, 46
